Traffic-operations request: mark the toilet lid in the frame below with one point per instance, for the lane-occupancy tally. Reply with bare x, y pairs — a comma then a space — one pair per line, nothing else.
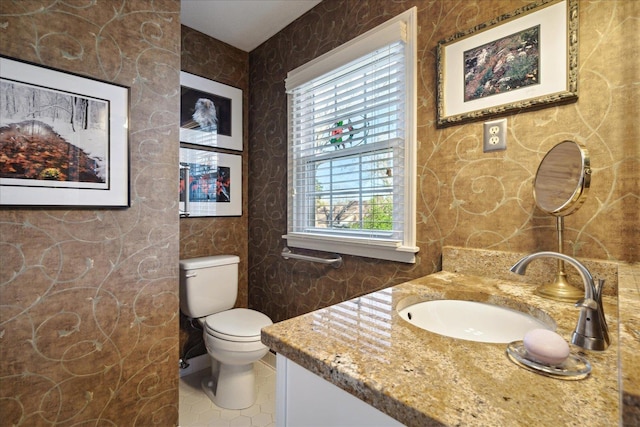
238, 324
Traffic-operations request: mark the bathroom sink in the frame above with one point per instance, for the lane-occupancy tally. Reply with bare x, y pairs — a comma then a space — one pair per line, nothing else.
472, 321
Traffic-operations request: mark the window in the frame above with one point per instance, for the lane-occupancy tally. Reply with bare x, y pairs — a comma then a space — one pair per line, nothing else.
352, 149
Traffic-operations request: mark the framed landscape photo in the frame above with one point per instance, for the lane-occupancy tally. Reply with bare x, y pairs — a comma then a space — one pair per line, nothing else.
521, 60
210, 183
210, 113
63, 139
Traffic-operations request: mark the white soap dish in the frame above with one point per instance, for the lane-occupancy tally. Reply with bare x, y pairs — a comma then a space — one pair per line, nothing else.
575, 367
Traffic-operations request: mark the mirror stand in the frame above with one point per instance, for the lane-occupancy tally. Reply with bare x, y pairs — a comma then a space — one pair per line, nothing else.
560, 187
560, 289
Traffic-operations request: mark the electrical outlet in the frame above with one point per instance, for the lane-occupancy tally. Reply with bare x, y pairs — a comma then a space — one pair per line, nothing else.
495, 135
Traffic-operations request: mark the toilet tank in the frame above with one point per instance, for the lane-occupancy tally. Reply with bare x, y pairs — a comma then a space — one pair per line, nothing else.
208, 285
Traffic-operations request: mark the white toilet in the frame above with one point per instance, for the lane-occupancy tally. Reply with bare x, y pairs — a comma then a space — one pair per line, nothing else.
208, 291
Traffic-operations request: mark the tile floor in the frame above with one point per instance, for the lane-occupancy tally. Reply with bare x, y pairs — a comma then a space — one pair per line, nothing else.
196, 410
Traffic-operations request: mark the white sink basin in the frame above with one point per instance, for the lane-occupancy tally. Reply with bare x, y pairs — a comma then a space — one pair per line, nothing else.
472, 321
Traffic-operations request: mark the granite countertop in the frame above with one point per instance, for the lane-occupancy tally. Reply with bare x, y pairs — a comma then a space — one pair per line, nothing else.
422, 379
629, 339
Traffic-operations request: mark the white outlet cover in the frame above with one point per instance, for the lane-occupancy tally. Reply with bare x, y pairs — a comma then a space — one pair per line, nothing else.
495, 135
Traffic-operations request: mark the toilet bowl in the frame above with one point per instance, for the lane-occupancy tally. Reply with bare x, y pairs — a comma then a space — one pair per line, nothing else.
208, 290
234, 345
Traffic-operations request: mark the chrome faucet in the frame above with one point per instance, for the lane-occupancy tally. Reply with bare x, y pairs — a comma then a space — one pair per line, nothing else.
591, 331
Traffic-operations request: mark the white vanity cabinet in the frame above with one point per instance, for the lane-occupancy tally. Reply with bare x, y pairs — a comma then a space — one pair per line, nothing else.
303, 399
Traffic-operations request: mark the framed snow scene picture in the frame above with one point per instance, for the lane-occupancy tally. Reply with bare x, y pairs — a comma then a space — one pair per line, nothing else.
210, 183
63, 139
210, 113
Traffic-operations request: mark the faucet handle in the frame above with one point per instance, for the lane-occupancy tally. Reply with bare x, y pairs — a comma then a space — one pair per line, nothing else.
592, 331
598, 290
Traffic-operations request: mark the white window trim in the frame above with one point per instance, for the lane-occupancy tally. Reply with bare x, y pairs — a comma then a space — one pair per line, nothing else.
373, 248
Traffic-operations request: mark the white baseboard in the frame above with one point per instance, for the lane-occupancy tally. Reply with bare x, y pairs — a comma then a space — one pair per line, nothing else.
196, 364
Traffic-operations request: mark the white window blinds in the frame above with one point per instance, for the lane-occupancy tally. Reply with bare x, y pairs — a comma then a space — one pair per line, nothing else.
348, 144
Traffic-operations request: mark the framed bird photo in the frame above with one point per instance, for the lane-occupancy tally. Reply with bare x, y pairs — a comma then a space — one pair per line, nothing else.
210, 113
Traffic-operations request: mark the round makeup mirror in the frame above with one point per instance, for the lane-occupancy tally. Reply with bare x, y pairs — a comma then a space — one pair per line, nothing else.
562, 179
559, 189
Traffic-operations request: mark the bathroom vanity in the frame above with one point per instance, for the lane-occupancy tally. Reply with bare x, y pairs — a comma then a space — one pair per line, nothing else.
361, 358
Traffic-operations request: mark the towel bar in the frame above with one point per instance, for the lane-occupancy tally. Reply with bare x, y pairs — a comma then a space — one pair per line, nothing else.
334, 262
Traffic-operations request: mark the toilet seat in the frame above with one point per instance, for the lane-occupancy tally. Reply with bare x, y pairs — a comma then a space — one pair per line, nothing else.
238, 325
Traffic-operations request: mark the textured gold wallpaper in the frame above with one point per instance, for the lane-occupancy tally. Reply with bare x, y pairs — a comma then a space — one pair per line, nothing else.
465, 197
88, 297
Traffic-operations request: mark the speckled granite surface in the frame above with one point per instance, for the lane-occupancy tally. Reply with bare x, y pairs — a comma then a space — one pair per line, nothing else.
629, 308
423, 379
496, 264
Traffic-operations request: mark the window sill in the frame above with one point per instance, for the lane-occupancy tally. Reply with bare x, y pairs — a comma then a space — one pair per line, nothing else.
391, 251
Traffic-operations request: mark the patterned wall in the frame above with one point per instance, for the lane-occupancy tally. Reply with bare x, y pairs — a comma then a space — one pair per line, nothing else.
210, 58
466, 197
89, 304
